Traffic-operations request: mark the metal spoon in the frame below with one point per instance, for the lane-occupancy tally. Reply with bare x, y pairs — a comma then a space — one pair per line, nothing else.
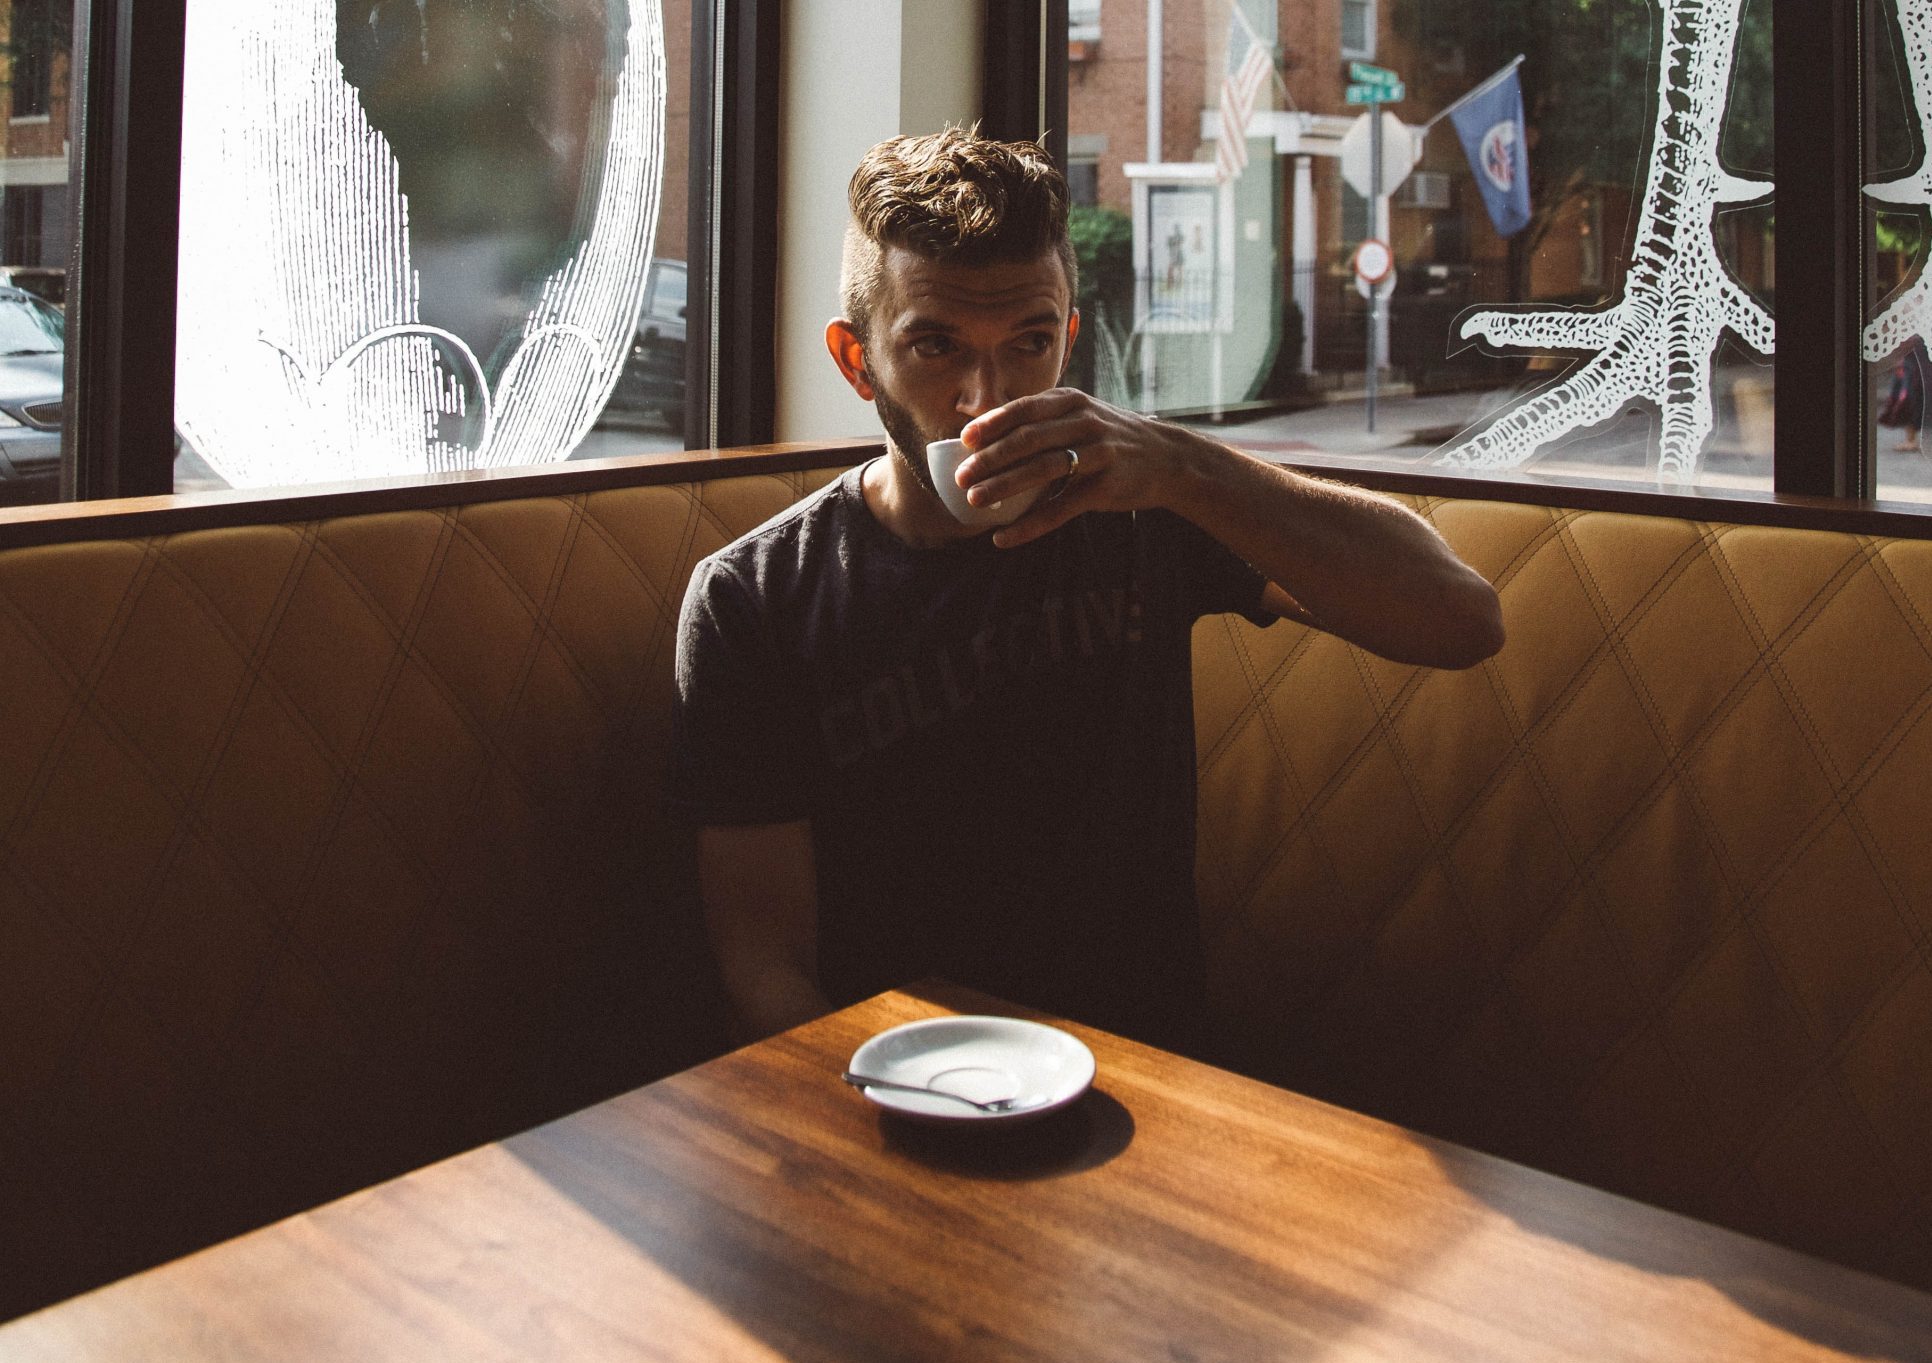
861, 1081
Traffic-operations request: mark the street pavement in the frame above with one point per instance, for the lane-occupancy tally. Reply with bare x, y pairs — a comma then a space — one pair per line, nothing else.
1411, 431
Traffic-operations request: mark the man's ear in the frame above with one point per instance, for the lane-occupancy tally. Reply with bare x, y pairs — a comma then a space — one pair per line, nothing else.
1073, 334
848, 353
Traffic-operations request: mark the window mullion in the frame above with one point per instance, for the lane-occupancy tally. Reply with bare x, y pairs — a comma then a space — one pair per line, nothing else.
1819, 113
119, 379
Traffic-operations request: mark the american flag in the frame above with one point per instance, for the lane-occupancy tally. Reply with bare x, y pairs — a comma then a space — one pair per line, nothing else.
1250, 63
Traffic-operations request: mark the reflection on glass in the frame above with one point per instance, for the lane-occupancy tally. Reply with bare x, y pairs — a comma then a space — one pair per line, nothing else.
1900, 190
33, 258
415, 236
1576, 197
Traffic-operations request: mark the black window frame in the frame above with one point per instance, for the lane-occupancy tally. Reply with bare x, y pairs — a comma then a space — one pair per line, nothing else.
126, 138
125, 101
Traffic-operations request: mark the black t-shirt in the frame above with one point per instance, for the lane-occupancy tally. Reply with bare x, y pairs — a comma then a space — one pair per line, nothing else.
995, 747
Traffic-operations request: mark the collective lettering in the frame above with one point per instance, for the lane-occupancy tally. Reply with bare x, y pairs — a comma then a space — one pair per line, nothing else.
951, 677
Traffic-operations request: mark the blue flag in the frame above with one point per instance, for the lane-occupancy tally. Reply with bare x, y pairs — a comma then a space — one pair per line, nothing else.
1493, 137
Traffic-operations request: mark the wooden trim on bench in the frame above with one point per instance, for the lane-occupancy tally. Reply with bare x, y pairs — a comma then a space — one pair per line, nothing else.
72, 521
66, 522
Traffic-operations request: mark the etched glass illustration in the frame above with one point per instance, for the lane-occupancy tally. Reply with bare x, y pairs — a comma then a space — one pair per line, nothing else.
1657, 344
415, 232
1567, 205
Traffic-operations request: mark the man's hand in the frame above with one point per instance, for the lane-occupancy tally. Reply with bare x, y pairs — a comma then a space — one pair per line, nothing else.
1358, 565
1128, 462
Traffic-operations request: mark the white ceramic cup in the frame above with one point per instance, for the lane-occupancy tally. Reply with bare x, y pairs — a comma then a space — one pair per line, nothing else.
943, 458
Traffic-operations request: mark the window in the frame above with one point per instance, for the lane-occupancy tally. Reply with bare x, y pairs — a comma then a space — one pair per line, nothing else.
1425, 189
1355, 217
25, 207
494, 193
1524, 168
1083, 180
1358, 28
1083, 21
33, 256
33, 40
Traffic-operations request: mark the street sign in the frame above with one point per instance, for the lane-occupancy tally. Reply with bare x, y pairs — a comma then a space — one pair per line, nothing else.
1373, 260
1363, 73
1376, 94
1399, 155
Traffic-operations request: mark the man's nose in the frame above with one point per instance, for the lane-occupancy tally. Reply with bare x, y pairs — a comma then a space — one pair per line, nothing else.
983, 388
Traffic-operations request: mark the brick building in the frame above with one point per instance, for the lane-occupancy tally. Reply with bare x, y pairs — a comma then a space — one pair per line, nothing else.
33, 146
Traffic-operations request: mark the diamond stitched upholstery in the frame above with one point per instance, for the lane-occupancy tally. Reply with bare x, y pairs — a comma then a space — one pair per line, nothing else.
1645, 900
328, 849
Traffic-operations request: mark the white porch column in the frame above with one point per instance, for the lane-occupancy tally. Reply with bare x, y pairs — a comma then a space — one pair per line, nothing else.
1302, 256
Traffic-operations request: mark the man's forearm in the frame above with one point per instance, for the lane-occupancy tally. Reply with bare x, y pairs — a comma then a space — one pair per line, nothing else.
1363, 566
761, 912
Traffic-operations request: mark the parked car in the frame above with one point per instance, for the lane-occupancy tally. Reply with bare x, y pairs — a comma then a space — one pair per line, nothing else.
48, 282
33, 349
653, 376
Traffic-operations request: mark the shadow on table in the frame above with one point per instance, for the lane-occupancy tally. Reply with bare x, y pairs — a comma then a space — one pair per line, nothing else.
1834, 1307
1083, 1136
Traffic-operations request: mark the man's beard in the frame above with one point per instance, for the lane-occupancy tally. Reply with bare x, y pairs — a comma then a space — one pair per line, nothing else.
908, 441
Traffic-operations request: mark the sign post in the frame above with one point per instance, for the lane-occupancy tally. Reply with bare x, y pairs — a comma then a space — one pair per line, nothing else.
1374, 262
1374, 266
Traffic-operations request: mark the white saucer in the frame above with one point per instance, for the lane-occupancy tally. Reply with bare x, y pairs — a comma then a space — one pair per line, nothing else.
982, 1058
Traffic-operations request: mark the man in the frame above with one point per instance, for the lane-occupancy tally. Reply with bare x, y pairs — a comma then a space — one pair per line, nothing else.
914, 748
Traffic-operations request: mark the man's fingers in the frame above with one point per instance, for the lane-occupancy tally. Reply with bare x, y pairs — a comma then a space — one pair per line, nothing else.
982, 431
1028, 443
1045, 466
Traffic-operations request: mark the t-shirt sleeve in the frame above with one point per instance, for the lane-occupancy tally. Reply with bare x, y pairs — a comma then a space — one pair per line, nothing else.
736, 749
1216, 580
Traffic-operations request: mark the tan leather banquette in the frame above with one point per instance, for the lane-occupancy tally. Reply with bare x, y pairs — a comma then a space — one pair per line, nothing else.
329, 846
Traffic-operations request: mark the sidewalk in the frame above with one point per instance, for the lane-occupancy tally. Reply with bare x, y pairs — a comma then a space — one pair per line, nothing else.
1411, 429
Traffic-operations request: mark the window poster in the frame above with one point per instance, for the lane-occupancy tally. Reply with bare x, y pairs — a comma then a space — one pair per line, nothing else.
1181, 265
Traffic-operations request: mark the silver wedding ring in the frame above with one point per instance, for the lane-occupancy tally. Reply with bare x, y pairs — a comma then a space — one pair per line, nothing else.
1065, 480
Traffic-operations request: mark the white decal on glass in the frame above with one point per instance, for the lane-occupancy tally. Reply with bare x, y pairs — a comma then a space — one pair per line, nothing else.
1657, 343
1905, 317
303, 355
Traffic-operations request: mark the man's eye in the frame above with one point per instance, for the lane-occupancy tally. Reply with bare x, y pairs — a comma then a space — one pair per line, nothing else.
931, 347
1036, 343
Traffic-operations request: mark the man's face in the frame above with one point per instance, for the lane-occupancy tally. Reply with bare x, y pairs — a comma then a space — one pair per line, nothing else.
949, 343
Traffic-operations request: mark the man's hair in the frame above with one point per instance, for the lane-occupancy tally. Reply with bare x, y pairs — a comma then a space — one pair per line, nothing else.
955, 197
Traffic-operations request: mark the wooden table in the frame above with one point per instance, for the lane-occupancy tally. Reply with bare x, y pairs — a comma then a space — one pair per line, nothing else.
756, 1208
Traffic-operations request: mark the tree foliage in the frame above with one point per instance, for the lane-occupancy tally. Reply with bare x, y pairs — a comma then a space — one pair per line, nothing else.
1103, 245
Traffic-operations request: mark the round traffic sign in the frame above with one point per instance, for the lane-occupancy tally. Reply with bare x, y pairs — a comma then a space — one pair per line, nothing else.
1373, 261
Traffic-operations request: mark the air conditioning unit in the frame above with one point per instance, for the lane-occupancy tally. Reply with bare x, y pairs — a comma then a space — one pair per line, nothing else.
1424, 189
1083, 21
